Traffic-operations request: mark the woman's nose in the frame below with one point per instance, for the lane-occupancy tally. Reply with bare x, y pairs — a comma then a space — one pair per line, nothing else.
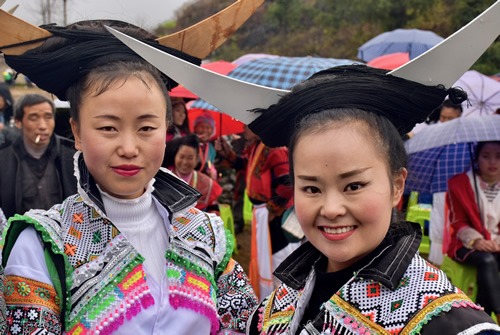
128, 146
333, 206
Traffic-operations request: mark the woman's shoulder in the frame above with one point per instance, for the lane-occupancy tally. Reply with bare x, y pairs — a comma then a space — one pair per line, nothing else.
198, 228
458, 178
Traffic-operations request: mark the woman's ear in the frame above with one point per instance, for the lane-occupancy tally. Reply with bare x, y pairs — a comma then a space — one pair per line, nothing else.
399, 186
75, 129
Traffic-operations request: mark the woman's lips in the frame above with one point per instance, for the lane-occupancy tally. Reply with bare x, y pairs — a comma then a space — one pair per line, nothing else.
337, 233
127, 170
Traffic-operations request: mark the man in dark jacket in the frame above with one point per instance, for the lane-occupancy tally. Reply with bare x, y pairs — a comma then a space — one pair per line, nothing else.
37, 167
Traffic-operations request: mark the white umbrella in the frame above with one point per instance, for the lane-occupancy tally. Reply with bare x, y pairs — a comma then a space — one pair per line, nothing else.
459, 130
483, 92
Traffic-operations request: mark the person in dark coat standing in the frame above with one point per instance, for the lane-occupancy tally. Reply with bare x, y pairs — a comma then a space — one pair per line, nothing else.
37, 167
6, 102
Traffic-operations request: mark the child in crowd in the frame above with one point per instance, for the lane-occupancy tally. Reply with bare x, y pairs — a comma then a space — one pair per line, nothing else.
204, 128
359, 271
129, 253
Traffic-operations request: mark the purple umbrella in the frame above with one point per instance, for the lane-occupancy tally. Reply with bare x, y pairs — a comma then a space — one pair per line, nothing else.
413, 41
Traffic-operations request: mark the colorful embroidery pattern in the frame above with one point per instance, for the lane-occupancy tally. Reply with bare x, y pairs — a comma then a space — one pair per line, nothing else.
31, 319
391, 309
3, 322
233, 290
125, 300
369, 308
19, 290
279, 310
105, 281
188, 290
31, 305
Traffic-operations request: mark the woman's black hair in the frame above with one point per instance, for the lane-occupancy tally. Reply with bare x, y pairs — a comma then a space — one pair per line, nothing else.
403, 102
103, 74
479, 147
184, 127
84, 58
101, 78
383, 132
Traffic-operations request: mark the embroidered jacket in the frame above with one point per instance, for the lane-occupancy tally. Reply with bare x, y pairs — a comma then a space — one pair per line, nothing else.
397, 292
98, 278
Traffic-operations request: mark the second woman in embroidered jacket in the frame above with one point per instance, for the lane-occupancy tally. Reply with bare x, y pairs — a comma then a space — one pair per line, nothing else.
360, 271
128, 254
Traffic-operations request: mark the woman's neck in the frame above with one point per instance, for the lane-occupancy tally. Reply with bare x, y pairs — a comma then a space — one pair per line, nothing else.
489, 180
186, 177
128, 210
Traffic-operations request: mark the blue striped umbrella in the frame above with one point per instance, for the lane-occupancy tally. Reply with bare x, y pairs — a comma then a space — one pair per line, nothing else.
278, 72
413, 41
443, 150
429, 170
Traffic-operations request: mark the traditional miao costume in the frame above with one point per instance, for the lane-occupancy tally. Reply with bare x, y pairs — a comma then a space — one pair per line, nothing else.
391, 291
70, 269
267, 186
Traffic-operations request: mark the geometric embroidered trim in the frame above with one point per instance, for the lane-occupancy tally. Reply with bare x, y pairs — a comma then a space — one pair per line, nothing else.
351, 317
189, 290
25, 319
436, 307
24, 291
124, 301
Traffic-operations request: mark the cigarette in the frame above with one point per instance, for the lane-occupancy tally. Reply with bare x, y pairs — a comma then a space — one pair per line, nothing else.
37, 139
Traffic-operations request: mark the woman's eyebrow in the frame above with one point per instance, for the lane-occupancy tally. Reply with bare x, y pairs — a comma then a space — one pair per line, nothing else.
307, 178
353, 173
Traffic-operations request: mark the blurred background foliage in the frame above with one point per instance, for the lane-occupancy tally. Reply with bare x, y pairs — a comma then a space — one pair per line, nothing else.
334, 28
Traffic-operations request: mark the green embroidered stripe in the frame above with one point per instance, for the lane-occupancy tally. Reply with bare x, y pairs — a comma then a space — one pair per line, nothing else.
102, 306
183, 262
54, 275
229, 252
96, 300
433, 309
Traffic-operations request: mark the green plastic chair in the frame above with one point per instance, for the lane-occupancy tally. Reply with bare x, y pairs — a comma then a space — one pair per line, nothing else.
413, 199
226, 214
247, 209
421, 214
461, 275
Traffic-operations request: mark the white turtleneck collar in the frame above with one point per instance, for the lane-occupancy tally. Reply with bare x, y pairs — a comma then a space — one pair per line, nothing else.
140, 221
128, 211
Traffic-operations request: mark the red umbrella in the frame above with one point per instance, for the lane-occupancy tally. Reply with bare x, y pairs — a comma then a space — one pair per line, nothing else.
229, 125
220, 66
390, 61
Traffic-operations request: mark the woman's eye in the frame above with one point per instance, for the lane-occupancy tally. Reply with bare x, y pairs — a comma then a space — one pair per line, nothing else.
311, 189
354, 187
148, 128
106, 128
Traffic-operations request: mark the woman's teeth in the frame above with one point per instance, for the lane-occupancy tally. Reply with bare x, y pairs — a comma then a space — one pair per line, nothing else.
342, 230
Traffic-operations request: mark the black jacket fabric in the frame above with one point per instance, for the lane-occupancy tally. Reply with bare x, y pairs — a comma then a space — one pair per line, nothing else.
62, 150
387, 267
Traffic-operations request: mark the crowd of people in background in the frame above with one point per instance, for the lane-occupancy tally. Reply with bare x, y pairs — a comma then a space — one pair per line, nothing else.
106, 231
37, 172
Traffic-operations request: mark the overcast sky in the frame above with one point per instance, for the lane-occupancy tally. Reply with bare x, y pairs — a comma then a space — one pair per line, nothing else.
145, 13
